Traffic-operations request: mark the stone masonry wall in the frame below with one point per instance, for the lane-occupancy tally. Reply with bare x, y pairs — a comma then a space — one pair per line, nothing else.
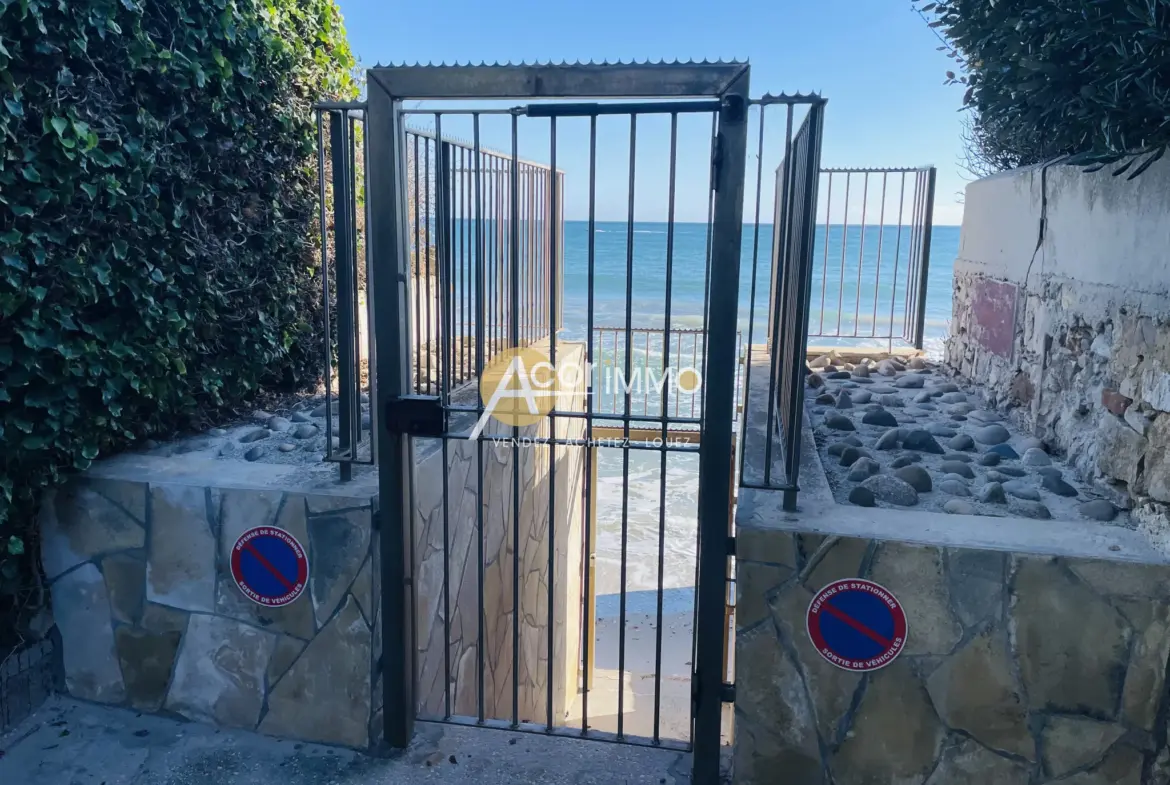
462, 510
150, 617
1018, 669
1073, 335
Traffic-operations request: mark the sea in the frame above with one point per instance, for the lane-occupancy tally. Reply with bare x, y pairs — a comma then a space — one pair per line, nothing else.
859, 289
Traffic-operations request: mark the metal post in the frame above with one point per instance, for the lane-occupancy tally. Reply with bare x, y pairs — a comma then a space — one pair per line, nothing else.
715, 456
344, 259
924, 264
390, 284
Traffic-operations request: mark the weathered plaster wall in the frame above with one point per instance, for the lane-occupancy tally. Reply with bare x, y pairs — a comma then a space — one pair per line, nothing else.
460, 516
1073, 332
150, 617
1036, 652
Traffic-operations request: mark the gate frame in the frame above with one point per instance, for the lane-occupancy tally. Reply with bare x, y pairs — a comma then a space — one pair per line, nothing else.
388, 87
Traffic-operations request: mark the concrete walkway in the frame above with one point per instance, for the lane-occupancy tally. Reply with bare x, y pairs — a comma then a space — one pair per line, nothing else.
72, 743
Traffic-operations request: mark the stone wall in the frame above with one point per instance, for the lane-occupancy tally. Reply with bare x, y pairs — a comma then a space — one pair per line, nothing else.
151, 619
1070, 327
461, 637
1021, 666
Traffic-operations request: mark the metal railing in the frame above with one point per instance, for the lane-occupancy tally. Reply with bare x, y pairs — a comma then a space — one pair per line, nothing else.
458, 202
345, 268
871, 256
466, 191
671, 389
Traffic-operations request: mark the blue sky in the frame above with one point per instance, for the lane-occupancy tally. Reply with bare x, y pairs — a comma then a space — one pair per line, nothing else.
875, 61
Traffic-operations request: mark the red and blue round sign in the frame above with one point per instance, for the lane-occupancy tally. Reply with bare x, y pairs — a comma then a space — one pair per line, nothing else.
857, 625
270, 566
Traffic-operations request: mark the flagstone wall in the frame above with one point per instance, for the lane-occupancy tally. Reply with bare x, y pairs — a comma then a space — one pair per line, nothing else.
150, 617
1021, 667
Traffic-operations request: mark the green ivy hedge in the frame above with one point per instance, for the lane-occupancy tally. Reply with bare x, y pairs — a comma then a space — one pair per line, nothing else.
157, 209
1055, 78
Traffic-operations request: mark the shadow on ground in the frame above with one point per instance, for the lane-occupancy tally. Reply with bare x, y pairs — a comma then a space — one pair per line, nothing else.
82, 744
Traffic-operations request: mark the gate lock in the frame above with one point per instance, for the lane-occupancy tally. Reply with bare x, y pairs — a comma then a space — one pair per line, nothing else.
415, 415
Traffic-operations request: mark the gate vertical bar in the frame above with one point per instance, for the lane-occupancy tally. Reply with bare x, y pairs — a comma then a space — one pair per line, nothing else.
391, 282
924, 262
803, 261
715, 462
344, 263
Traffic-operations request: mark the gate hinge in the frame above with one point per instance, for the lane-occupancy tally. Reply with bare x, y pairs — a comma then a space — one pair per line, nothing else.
726, 693
716, 160
415, 415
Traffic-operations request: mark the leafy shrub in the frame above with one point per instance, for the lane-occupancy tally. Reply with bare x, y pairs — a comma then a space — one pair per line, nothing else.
1055, 78
157, 200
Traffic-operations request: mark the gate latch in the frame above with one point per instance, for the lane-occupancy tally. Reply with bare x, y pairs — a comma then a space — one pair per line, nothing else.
415, 415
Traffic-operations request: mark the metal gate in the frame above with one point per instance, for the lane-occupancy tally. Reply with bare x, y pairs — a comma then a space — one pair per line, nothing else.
498, 468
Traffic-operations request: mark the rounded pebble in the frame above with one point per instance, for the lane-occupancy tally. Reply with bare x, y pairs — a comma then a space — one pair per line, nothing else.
985, 416
992, 434
850, 455
909, 382
1056, 485
825, 399
991, 493
959, 468
1098, 510
990, 459
879, 417
255, 453
889, 439
844, 400
922, 441
962, 442
891, 489
1022, 490
1032, 509
839, 422
865, 396
959, 507
863, 468
287, 447
954, 488
836, 448
862, 497
1004, 451
254, 436
941, 431
916, 477
1034, 456
905, 460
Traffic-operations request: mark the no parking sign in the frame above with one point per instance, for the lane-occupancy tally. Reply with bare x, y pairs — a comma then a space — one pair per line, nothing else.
857, 625
270, 566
